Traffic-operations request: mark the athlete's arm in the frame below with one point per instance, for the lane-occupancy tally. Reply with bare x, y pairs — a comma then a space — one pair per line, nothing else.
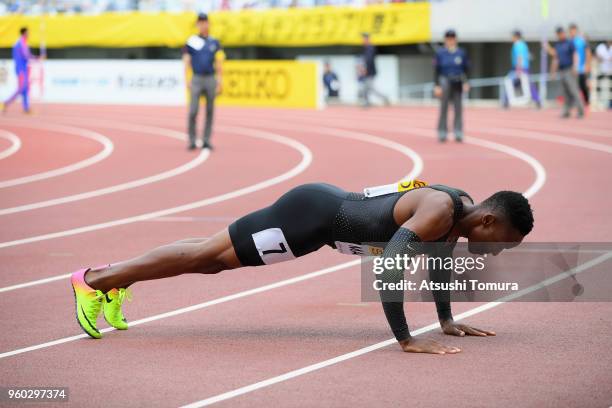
432, 218
439, 274
443, 305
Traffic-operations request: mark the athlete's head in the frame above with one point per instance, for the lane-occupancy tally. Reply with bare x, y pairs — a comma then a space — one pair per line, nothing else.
23, 31
573, 30
516, 35
500, 222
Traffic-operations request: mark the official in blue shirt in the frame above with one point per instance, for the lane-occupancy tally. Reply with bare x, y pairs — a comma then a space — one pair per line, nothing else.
520, 66
451, 66
565, 59
204, 56
584, 61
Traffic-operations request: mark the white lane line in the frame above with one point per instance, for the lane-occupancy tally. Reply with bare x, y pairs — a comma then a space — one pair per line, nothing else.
548, 137
106, 151
201, 158
540, 172
304, 163
198, 306
15, 144
365, 137
416, 170
34, 283
194, 219
347, 134
580, 127
365, 350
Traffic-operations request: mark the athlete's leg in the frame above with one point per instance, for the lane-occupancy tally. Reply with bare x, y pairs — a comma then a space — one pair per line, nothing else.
21, 77
209, 256
25, 96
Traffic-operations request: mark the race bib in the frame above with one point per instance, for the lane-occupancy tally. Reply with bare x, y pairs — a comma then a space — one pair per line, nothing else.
195, 42
272, 246
349, 248
405, 185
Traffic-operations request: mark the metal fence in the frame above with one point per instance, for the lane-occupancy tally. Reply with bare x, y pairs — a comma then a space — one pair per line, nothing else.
548, 87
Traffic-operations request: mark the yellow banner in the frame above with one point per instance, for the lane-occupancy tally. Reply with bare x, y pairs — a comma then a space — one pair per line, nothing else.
400, 23
279, 84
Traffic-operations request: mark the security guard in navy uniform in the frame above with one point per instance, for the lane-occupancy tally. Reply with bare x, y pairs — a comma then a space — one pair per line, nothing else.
205, 57
451, 70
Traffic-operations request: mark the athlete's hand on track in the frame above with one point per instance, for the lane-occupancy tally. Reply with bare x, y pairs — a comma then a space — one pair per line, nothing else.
456, 329
427, 346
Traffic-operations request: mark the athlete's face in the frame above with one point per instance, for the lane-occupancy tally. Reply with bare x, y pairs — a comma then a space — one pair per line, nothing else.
492, 235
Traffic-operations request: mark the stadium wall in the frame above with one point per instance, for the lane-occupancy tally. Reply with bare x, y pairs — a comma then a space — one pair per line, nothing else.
486, 20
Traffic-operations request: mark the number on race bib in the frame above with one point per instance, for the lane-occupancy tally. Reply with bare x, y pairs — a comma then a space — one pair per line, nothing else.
282, 250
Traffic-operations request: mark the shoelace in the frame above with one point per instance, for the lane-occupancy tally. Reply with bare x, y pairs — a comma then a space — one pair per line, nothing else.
94, 311
124, 294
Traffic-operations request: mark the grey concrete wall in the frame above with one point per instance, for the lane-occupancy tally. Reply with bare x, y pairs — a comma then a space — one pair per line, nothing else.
493, 20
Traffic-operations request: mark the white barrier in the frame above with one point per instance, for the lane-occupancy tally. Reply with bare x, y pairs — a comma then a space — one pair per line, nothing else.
515, 99
102, 81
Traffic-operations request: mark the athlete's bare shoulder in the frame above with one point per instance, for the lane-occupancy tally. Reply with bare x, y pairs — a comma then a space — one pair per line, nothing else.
427, 212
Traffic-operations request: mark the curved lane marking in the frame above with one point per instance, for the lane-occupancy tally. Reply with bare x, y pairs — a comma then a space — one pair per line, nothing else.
107, 149
15, 144
199, 159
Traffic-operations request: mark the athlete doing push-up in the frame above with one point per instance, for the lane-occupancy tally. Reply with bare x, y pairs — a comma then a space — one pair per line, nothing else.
313, 215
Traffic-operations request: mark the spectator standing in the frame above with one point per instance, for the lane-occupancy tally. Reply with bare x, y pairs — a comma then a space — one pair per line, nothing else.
451, 67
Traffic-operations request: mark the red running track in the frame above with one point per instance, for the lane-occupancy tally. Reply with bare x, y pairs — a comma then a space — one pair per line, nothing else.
544, 355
